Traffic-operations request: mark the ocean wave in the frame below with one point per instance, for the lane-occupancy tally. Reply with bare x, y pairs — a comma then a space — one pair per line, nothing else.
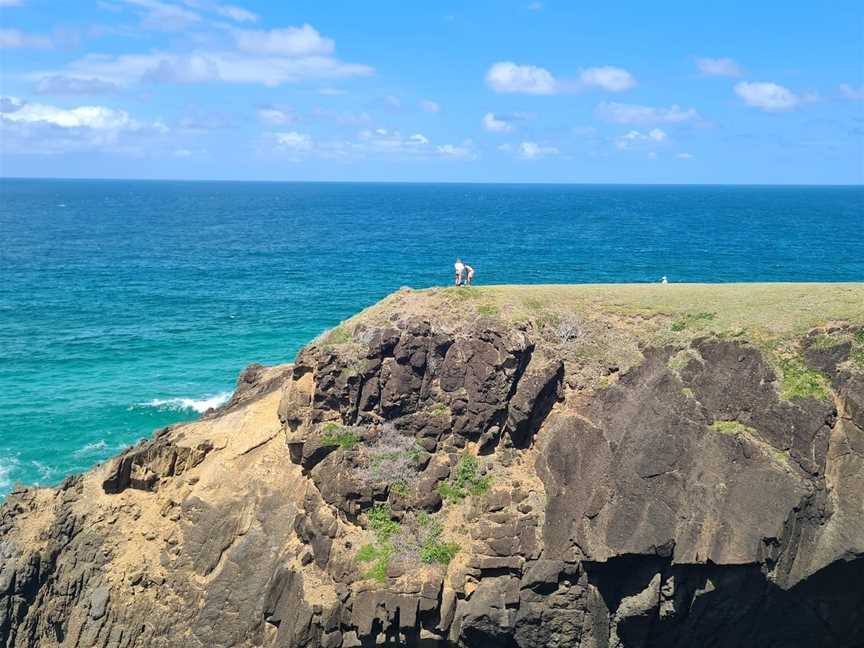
183, 404
7, 466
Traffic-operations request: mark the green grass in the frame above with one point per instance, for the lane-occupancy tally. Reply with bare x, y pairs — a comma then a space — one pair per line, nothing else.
466, 481
336, 435
381, 522
692, 318
439, 409
380, 556
799, 381
400, 488
339, 335
488, 310
731, 427
435, 550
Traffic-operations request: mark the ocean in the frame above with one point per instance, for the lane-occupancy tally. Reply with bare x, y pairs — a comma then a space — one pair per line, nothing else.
129, 305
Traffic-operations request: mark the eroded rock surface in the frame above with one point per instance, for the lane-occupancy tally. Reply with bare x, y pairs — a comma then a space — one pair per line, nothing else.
681, 501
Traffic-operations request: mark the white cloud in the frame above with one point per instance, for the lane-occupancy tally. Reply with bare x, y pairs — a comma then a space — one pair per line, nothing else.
535, 6
294, 141
619, 113
634, 137
851, 92
506, 76
237, 14
10, 3
767, 96
290, 41
427, 105
495, 125
420, 139
332, 92
607, 77
533, 150
207, 66
277, 116
343, 118
40, 128
16, 39
59, 84
684, 156
718, 67
161, 16
393, 102
464, 151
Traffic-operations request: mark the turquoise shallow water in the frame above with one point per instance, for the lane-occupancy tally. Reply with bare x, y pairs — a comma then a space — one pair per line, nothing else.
126, 306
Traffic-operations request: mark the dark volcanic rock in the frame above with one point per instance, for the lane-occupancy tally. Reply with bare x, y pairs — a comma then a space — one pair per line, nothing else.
679, 503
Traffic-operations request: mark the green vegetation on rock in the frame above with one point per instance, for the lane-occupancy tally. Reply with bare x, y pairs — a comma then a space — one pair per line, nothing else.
731, 427
466, 481
435, 550
797, 380
338, 435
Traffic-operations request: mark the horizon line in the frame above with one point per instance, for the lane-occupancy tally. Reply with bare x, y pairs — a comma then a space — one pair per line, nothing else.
443, 182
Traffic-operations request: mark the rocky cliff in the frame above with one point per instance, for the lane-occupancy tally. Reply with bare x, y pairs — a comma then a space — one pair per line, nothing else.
592, 467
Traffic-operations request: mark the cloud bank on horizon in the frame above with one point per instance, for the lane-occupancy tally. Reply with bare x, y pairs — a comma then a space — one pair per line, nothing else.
537, 92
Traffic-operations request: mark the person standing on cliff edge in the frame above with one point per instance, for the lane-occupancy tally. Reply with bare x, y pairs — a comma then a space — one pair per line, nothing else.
460, 268
470, 278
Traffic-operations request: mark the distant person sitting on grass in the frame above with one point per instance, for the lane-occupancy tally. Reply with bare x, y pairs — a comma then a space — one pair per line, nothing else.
460, 268
470, 272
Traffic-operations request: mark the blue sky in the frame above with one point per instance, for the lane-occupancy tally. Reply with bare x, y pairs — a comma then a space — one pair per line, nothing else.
504, 91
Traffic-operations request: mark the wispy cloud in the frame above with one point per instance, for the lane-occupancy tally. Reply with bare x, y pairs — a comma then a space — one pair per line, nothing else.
620, 113
277, 116
17, 39
851, 92
533, 150
635, 137
427, 105
509, 77
290, 41
59, 84
162, 16
208, 66
719, 67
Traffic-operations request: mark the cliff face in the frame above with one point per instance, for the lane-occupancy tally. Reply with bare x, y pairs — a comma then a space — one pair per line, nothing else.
490, 468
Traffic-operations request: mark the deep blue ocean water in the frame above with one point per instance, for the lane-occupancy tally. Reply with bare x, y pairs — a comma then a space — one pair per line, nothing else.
129, 305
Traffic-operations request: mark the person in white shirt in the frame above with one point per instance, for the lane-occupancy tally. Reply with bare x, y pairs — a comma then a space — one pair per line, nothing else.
460, 268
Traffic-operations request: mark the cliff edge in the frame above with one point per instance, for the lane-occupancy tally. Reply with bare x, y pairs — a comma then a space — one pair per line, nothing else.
555, 466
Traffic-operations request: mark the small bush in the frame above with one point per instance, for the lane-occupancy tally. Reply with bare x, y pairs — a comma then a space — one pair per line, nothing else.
400, 488
439, 409
800, 381
344, 437
568, 328
436, 551
367, 553
381, 522
467, 480
391, 458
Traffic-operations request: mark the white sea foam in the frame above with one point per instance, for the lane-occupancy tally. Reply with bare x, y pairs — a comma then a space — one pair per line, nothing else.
7, 466
91, 448
198, 405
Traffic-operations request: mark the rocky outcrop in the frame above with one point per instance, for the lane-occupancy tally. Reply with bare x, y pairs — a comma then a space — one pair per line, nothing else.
408, 480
